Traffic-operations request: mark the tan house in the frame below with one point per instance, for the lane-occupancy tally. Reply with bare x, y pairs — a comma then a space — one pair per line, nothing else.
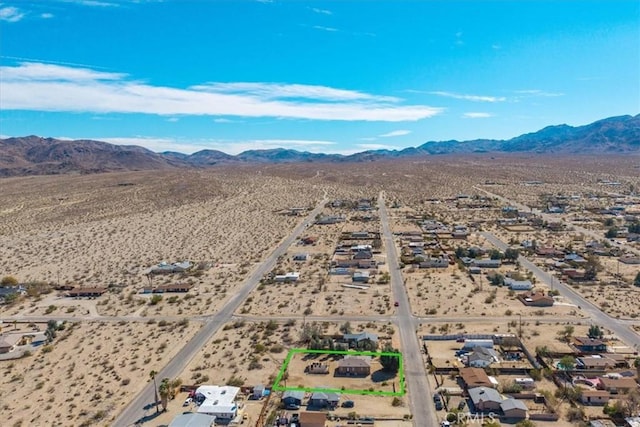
535, 299
8, 342
595, 397
617, 385
475, 377
354, 366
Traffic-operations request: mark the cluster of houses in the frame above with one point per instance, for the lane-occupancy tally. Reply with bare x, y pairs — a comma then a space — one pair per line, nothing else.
354, 256
420, 253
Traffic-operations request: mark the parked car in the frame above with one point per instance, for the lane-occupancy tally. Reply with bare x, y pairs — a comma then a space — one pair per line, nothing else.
462, 404
396, 304
348, 404
437, 398
439, 406
295, 418
187, 401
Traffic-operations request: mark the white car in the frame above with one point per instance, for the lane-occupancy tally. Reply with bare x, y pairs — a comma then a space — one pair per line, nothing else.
187, 402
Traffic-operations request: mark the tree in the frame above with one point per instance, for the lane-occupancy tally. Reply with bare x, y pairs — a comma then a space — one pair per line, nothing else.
390, 363
566, 333
9, 281
595, 332
567, 363
525, 423
636, 281
153, 374
611, 233
345, 328
165, 392
511, 254
495, 254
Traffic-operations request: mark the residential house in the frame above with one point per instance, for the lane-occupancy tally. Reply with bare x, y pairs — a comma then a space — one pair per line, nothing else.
360, 339
291, 276
514, 409
485, 399
317, 368
595, 397
292, 399
574, 258
321, 399
361, 276
536, 299
8, 342
617, 385
435, 262
192, 419
363, 255
301, 257
589, 345
486, 263
518, 285
470, 344
9, 292
354, 263
354, 366
219, 401
313, 419
548, 252
258, 391
482, 357
594, 363
86, 292
177, 287
475, 377
165, 268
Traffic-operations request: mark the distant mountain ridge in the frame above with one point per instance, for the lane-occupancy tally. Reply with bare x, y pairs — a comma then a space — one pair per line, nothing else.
33, 155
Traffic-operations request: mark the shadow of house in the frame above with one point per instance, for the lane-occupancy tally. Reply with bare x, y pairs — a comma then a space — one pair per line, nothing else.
381, 375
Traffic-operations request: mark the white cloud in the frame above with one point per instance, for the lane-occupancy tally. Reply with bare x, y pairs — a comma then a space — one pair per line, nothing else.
92, 3
321, 11
538, 92
10, 14
477, 115
395, 133
173, 119
46, 15
475, 98
329, 29
47, 87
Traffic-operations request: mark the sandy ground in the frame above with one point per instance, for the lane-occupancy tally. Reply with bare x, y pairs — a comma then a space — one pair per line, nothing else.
86, 377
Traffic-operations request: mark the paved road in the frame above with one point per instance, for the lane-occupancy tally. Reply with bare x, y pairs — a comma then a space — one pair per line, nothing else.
136, 411
415, 374
619, 328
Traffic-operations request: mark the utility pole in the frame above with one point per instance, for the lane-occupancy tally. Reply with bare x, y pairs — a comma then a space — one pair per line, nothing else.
520, 326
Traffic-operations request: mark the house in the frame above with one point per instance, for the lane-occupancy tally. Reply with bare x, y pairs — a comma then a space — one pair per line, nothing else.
536, 299
321, 399
475, 377
594, 397
165, 268
313, 419
219, 401
359, 339
10, 292
354, 366
589, 345
470, 344
435, 262
548, 252
360, 235
176, 287
518, 285
192, 419
513, 409
292, 399
595, 363
602, 423
617, 385
632, 421
361, 276
288, 277
317, 368
482, 357
485, 399
363, 255
525, 383
574, 258
301, 257
8, 342
258, 391
486, 263
86, 292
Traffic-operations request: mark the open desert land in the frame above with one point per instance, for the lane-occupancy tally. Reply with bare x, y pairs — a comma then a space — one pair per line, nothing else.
106, 229
89, 372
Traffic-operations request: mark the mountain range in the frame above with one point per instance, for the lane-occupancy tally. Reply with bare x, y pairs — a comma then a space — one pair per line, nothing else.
34, 155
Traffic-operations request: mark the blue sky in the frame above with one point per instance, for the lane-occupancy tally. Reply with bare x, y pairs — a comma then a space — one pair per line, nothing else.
325, 76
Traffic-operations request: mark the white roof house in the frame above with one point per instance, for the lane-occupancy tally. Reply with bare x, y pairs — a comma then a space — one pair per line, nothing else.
518, 285
219, 400
291, 276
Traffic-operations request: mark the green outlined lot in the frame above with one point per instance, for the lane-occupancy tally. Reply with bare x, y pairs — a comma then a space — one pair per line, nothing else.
401, 391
